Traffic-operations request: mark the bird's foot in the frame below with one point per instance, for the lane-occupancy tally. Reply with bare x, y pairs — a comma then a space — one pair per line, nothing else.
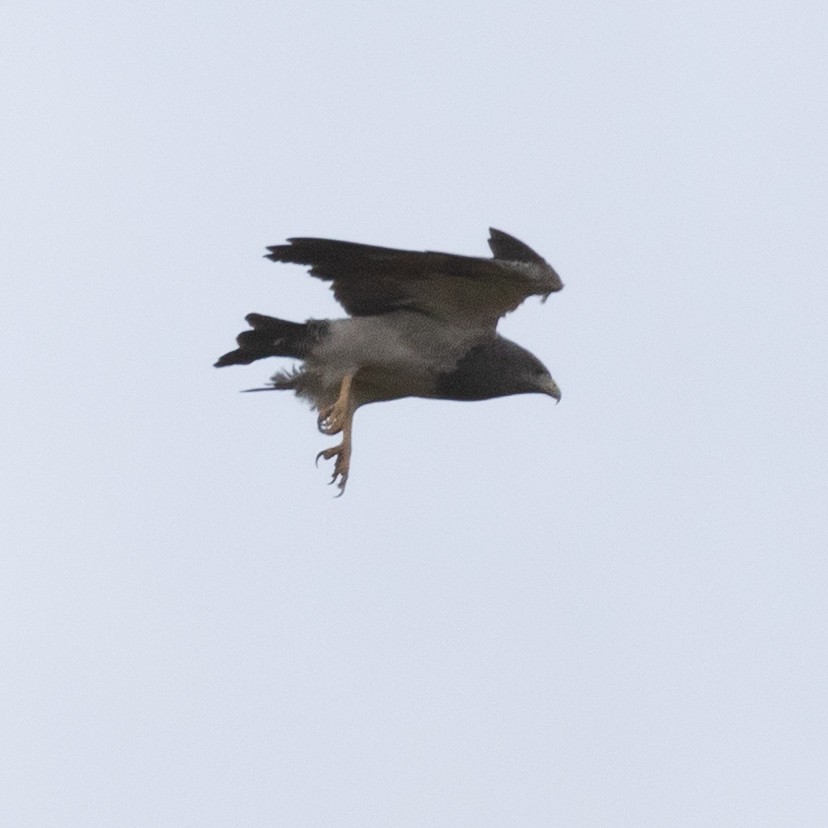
332, 420
342, 453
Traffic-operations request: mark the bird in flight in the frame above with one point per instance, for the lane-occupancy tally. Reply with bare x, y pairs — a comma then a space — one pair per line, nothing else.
420, 324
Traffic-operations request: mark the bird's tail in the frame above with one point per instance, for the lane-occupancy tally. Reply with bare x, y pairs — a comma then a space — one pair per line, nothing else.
271, 337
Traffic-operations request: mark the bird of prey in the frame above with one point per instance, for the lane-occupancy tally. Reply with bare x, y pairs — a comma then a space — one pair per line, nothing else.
420, 324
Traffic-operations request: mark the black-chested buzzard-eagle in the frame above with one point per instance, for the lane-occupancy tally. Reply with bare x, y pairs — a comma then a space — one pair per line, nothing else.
421, 324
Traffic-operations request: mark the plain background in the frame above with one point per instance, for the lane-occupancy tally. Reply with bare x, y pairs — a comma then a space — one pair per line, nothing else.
607, 612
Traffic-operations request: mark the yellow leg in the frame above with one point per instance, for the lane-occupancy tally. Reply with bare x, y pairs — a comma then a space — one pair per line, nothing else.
333, 420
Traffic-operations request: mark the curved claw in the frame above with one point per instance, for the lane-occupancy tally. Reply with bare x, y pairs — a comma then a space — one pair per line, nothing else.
326, 428
330, 422
340, 467
341, 484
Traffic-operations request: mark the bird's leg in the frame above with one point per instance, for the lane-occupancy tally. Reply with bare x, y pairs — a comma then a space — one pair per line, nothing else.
331, 420
342, 453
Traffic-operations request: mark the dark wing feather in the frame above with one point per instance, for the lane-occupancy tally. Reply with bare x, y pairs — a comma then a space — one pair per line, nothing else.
369, 280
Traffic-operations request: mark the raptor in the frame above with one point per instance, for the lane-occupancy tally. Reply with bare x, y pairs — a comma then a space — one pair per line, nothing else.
420, 324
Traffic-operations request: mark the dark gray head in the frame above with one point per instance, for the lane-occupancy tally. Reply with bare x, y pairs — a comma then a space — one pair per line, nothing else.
496, 368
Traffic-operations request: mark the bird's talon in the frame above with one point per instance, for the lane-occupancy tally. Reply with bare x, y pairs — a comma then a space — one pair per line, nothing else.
342, 454
332, 420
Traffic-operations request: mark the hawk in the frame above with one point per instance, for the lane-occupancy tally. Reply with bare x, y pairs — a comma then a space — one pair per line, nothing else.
420, 324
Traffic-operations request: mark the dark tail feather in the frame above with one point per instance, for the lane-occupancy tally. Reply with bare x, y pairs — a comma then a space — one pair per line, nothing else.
271, 337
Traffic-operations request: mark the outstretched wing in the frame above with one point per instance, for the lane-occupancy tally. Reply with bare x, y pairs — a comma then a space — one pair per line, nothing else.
368, 280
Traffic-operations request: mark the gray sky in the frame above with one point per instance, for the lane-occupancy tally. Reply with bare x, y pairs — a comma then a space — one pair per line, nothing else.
607, 612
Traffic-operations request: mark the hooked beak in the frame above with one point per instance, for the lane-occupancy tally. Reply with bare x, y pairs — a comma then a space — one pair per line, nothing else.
555, 284
551, 388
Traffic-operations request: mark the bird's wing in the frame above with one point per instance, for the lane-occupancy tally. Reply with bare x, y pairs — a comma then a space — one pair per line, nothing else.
467, 290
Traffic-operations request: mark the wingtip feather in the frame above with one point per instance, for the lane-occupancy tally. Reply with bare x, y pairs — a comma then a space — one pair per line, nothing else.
509, 248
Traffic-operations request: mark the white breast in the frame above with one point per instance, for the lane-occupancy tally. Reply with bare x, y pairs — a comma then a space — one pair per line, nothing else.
408, 347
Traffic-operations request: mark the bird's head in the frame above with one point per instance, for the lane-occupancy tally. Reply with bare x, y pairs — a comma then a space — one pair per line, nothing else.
496, 368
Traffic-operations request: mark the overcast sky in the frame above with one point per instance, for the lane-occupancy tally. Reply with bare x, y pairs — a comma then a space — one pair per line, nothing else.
609, 612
